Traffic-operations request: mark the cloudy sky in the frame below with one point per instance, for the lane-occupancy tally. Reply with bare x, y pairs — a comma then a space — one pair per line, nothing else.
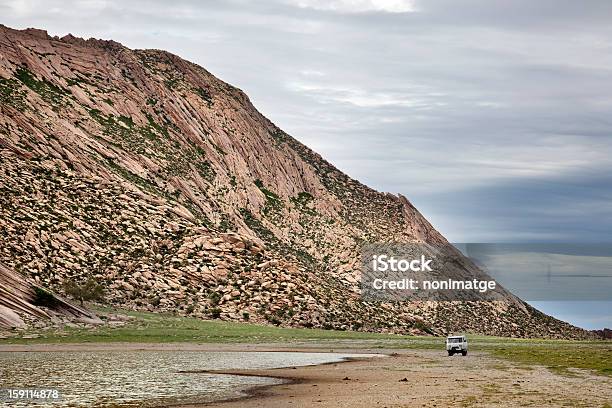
493, 118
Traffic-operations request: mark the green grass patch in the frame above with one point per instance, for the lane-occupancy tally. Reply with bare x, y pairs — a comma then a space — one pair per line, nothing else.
279, 137
561, 357
301, 202
302, 198
558, 355
271, 197
12, 94
256, 226
205, 170
205, 95
165, 328
134, 178
50, 92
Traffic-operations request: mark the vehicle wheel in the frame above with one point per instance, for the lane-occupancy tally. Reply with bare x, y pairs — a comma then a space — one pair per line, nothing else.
450, 353
464, 353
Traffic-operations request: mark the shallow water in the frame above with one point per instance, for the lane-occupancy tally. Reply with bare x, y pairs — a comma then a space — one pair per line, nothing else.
141, 378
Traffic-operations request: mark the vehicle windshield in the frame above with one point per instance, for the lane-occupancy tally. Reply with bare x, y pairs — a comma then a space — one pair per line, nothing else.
455, 340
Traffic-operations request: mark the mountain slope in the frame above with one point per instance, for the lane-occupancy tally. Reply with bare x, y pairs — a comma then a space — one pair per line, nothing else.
167, 185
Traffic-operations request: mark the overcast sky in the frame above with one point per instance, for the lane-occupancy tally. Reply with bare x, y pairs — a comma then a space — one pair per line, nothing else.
493, 118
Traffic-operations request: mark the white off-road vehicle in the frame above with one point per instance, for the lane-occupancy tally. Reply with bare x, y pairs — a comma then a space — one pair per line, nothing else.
456, 344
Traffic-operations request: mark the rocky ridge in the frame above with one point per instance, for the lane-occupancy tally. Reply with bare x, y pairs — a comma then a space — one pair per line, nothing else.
167, 186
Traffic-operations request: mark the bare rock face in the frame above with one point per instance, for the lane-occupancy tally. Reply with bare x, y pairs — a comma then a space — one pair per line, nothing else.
10, 319
166, 185
18, 301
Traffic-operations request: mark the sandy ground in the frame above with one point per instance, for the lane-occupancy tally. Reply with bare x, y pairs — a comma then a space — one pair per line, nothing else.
403, 378
426, 379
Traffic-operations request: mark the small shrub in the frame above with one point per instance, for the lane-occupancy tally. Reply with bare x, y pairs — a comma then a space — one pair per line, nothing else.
422, 326
214, 297
88, 291
215, 313
205, 95
44, 298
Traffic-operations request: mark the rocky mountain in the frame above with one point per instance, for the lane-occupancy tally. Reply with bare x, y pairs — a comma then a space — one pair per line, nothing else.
166, 185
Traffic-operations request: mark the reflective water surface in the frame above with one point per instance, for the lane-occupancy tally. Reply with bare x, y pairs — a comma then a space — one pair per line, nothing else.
141, 378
